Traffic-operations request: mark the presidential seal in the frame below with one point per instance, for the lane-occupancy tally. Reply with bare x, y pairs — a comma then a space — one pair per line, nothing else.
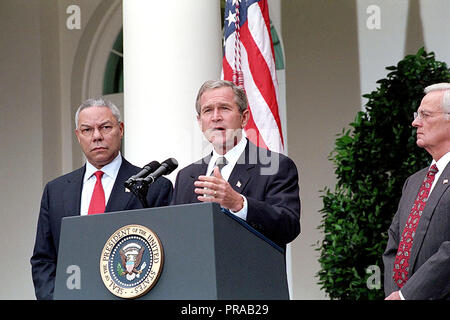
131, 261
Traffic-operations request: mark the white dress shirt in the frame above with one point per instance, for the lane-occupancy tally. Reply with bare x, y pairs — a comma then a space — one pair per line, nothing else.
108, 179
440, 164
232, 157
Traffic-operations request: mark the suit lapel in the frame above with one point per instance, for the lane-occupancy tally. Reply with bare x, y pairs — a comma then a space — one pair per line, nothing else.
243, 170
198, 168
72, 192
239, 177
241, 173
119, 198
428, 212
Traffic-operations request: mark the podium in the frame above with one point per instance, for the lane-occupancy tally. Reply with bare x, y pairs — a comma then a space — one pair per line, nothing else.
207, 254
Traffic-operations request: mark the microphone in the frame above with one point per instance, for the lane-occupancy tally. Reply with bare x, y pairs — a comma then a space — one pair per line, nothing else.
166, 168
148, 168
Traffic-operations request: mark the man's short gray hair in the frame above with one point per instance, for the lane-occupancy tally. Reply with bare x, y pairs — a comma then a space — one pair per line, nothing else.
98, 102
444, 86
239, 93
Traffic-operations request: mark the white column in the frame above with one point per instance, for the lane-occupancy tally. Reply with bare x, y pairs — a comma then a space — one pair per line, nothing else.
170, 49
275, 17
436, 27
381, 36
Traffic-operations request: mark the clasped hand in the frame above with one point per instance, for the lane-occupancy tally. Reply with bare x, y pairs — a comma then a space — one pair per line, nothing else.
216, 189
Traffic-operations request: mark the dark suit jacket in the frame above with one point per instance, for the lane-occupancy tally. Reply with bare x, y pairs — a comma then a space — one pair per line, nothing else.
429, 265
268, 180
62, 198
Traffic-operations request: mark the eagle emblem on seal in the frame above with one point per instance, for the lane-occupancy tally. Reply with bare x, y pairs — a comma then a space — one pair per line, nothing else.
131, 261
131, 257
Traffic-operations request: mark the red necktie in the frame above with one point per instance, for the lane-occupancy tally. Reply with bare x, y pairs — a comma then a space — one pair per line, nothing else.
401, 263
97, 204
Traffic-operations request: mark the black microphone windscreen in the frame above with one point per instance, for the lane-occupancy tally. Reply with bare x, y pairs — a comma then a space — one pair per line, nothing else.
148, 169
171, 163
152, 166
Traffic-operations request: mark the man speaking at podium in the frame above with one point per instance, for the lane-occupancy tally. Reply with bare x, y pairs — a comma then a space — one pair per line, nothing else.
95, 188
256, 185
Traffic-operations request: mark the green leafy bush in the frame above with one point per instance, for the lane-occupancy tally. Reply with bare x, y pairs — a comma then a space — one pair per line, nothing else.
372, 161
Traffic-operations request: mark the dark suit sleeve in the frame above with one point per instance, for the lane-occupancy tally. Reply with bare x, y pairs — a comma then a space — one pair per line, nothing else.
432, 279
43, 260
277, 215
160, 193
391, 248
181, 190
176, 190
389, 256
431, 275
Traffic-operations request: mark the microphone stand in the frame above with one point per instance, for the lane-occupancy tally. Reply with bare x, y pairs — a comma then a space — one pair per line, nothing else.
140, 186
140, 191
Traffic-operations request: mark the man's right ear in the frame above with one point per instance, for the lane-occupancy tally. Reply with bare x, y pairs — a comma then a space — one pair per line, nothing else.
77, 135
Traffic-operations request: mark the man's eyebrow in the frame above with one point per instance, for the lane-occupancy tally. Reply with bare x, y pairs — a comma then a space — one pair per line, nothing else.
216, 104
106, 122
101, 124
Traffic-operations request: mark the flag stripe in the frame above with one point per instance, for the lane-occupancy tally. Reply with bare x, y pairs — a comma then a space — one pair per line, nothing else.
263, 118
227, 70
264, 9
253, 133
259, 71
263, 39
258, 68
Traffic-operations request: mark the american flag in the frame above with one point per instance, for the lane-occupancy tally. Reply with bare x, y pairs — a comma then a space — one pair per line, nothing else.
249, 61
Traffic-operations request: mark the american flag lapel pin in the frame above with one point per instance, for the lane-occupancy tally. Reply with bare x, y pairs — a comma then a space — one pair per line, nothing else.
238, 184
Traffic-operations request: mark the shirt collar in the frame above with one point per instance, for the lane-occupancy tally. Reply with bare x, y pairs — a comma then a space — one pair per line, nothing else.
111, 169
233, 154
442, 162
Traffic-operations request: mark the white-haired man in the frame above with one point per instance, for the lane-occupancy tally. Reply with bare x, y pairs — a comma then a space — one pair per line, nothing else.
417, 256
